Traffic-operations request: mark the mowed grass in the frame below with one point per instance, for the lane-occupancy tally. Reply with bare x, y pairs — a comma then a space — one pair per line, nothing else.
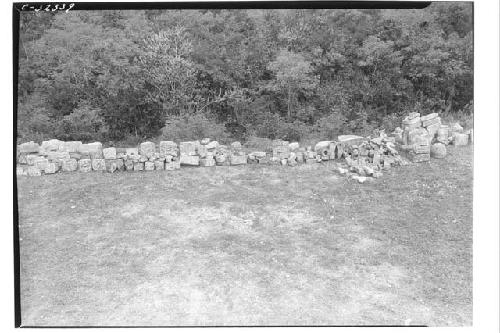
249, 245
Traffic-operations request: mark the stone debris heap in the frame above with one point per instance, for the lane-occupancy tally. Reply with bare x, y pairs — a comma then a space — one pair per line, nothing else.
423, 137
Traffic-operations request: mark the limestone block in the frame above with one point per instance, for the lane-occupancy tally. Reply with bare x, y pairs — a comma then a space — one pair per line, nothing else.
299, 157
205, 141
188, 147
95, 150
69, 165
432, 129
278, 142
443, 133
236, 145
109, 153
51, 145
212, 145
111, 165
77, 156
40, 162
33, 171
99, 164
168, 148
418, 158
202, 151
169, 158
438, 150
421, 149
281, 152
456, 127
58, 156
149, 166
129, 165
143, 158
21, 171
29, 147
22, 159
138, 166
220, 159
70, 146
413, 135
428, 117
131, 152
460, 139
85, 165
294, 146
51, 168
350, 140
207, 162
430, 122
238, 159
189, 159
147, 149
159, 165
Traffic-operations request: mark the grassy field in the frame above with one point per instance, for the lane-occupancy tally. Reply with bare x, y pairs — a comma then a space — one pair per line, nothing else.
249, 245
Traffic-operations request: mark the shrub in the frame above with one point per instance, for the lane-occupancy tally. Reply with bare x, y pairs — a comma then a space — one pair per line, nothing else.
84, 124
330, 126
294, 131
193, 127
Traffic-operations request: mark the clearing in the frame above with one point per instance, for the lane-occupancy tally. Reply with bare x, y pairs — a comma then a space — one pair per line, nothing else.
249, 245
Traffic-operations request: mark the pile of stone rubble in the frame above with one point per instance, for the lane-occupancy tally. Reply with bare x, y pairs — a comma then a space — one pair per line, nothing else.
420, 139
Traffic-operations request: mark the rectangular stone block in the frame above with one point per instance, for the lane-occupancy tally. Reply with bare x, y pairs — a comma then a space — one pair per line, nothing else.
58, 156
51, 168
70, 146
29, 147
168, 148
240, 159
188, 147
418, 158
69, 165
159, 165
94, 149
77, 156
207, 162
432, 129
149, 166
120, 166
147, 149
109, 153
221, 159
428, 117
51, 145
212, 145
111, 165
22, 159
21, 171
138, 166
202, 151
33, 171
281, 152
129, 165
460, 139
189, 159
99, 164
131, 151
85, 165
421, 149
40, 162
432, 121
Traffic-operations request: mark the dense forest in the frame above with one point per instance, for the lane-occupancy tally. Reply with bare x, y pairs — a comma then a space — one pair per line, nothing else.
290, 74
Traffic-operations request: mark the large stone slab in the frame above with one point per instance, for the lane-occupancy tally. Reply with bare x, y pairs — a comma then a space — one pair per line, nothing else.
33, 171
350, 140
207, 162
438, 150
149, 166
111, 165
29, 147
192, 160
212, 145
58, 156
428, 117
40, 162
460, 139
138, 166
168, 148
99, 164
109, 153
238, 159
51, 145
129, 165
281, 151
51, 168
188, 148
159, 165
431, 122
147, 149
70, 146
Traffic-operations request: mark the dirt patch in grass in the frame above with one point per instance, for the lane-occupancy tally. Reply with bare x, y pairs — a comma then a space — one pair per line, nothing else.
254, 245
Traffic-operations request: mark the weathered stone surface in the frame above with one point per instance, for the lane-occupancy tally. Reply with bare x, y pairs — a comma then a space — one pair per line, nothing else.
412, 121
188, 147
428, 117
168, 148
85, 165
189, 160
432, 129
202, 151
212, 145
111, 165
58, 156
70, 146
284, 161
109, 153
460, 139
21, 171
69, 165
99, 164
129, 165
77, 156
415, 134
149, 166
236, 145
322, 146
205, 141
294, 146
349, 140
22, 159
281, 152
40, 162
221, 159
29, 147
421, 149
299, 157
438, 150
147, 149
94, 149
443, 134
143, 158
159, 165
238, 159
33, 171
456, 127
131, 152
207, 162
51, 168
258, 154
51, 145
433, 121
138, 166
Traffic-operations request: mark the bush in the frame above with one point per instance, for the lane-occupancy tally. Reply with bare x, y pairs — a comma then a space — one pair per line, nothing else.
331, 126
83, 124
193, 127
294, 131
33, 121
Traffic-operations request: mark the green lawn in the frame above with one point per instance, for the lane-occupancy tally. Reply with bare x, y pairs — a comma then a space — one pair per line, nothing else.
249, 245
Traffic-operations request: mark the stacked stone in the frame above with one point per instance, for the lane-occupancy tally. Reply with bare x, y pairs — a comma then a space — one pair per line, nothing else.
189, 151
418, 135
459, 137
368, 156
207, 151
280, 152
237, 154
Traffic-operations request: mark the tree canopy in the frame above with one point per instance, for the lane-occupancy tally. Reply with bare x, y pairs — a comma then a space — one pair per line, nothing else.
111, 75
